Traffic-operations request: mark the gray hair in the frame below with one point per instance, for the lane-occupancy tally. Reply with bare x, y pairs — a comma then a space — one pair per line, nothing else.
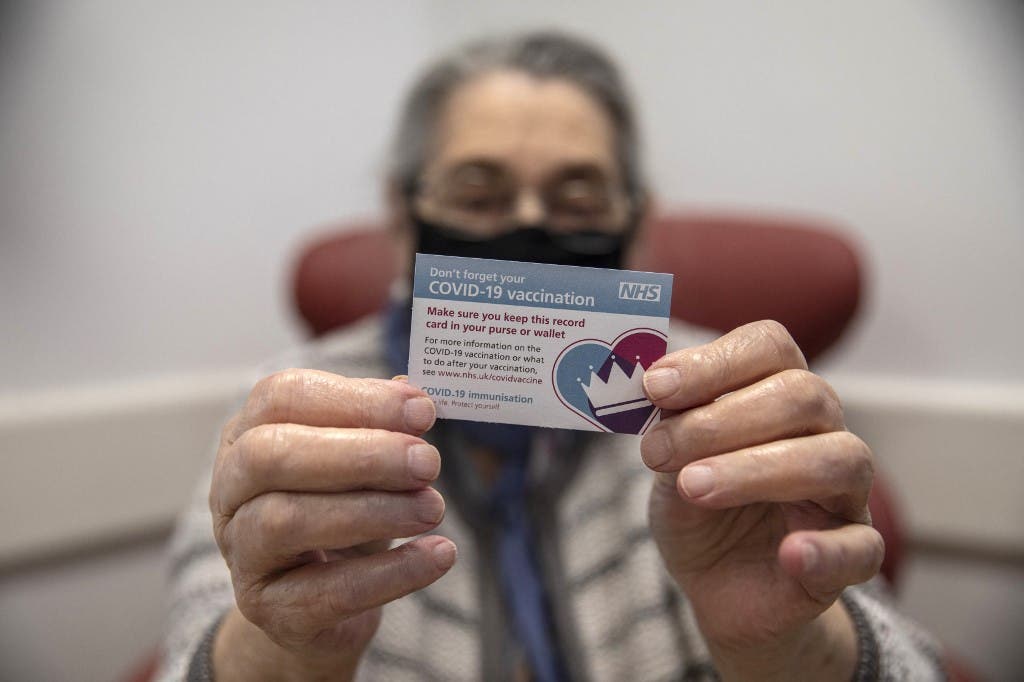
545, 54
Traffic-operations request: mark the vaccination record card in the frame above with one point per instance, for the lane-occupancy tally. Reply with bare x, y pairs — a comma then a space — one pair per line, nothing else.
543, 345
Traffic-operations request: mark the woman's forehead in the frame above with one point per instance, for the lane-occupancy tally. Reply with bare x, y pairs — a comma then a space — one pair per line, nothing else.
530, 125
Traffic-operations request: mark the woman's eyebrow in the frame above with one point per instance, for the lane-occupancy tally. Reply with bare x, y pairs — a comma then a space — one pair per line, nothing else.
487, 165
578, 171
497, 169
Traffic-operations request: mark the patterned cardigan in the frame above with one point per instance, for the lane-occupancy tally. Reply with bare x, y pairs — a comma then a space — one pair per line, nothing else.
616, 613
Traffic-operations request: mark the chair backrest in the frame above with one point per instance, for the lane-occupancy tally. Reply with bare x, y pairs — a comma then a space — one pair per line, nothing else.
343, 275
729, 269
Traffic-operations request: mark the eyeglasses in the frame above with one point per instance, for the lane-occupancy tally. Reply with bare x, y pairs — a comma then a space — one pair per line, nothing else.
485, 199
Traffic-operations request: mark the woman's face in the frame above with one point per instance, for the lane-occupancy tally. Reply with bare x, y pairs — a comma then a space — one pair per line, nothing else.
512, 150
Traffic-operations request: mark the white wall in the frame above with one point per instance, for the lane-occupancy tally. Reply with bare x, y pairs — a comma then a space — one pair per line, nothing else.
900, 120
159, 162
92, 619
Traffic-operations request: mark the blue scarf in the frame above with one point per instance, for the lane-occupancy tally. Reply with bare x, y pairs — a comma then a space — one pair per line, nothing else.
521, 583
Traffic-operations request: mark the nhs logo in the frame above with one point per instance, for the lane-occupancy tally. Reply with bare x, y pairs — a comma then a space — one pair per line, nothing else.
635, 291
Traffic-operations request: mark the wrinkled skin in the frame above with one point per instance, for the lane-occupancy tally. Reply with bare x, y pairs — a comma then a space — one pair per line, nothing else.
759, 504
318, 473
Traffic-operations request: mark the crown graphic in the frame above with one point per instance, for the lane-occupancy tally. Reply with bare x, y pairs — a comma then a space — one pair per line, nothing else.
622, 392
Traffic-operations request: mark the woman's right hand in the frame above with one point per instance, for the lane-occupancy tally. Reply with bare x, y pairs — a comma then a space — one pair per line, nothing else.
313, 479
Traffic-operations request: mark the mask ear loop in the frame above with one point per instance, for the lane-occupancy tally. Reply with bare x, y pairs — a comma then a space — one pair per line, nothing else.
635, 214
634, 217
410, 192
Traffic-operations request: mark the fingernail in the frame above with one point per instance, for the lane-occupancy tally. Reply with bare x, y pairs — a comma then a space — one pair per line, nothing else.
697, 481
811, 557
401, 377
661, 383
424, 462
444, 554
656, 448
419, 414
429, 507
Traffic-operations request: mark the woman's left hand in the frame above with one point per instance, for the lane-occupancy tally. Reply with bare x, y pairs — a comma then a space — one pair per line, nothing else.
759, 505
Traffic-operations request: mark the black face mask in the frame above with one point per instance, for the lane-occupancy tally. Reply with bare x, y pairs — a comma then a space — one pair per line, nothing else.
587, 248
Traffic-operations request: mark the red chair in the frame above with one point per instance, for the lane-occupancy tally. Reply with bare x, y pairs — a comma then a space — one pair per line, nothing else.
732, 269
358, 257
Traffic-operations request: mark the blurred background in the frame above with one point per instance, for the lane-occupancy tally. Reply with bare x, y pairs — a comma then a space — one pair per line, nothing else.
162, 163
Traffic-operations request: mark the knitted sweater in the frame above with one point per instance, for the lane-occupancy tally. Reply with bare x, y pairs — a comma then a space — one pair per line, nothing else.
615, 611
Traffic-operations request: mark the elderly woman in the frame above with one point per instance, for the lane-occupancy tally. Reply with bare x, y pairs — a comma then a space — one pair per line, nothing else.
723, 544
